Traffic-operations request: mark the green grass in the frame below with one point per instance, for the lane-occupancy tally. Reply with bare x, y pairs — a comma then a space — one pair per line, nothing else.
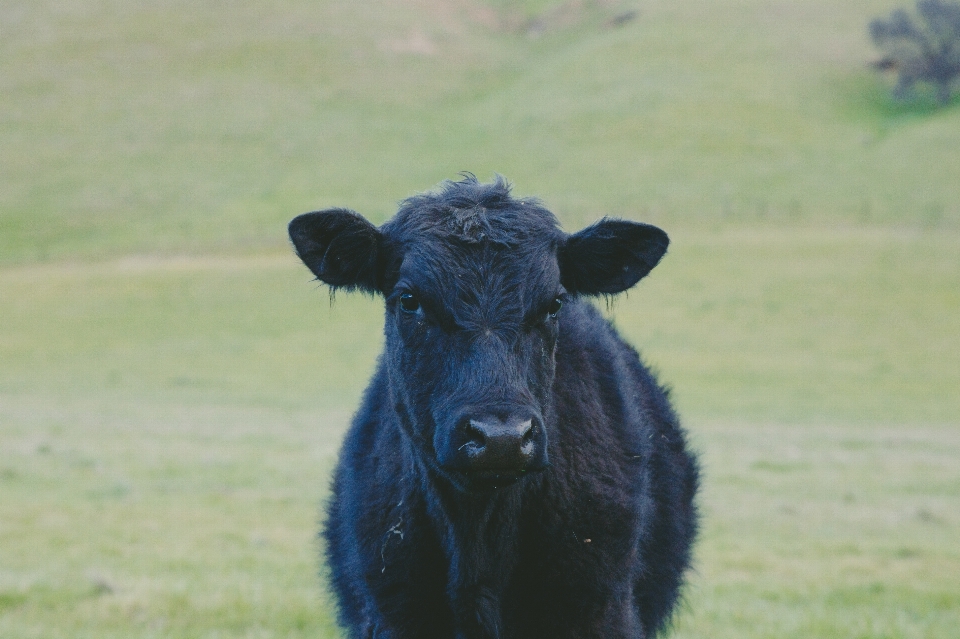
168, 126
173, 386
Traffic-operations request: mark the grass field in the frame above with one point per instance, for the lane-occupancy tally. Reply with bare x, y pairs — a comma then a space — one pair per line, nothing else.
173, 386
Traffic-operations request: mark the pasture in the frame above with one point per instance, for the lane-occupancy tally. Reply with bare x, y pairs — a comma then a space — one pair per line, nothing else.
173, 386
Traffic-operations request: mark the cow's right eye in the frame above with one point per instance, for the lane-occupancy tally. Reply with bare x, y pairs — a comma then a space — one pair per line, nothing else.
554, 307
409, 303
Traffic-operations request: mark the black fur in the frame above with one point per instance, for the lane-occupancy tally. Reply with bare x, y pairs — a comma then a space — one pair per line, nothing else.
589, 536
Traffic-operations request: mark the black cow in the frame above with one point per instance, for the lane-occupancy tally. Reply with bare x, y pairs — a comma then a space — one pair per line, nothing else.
514, 470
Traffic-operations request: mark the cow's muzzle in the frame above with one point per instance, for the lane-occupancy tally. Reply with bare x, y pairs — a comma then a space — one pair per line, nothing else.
497, 449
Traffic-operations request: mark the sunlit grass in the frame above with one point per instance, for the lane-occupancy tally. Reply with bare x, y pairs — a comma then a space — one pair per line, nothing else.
168, 426
125, 519
173, 384
146, 520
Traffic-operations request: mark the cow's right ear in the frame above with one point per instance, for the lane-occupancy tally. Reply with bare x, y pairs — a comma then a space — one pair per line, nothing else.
340, 247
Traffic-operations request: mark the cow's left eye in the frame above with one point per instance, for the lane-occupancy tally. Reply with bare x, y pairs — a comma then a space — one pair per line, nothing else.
554, 307
409, 303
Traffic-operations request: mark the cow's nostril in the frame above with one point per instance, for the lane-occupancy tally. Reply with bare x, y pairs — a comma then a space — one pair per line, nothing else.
474, 434
527, 432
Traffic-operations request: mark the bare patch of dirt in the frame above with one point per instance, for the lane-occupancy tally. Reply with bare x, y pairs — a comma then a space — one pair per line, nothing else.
445, 19
417, 42
569, 14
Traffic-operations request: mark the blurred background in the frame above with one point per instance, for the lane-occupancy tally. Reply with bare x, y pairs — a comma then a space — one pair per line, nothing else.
174, 386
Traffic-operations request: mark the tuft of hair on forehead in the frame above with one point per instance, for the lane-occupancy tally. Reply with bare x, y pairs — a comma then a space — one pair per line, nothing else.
474, 212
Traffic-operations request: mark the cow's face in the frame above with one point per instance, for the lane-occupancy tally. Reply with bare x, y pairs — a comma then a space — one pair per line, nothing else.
471, 331
474, 283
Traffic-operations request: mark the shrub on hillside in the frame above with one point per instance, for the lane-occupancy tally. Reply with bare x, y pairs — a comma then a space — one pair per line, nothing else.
921, 50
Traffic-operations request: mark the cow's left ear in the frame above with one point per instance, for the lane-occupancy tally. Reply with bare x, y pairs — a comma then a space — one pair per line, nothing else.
610, 256
340, 247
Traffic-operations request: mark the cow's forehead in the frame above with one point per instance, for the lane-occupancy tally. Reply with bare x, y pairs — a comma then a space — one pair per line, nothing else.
472, 213
457, 270
470, 241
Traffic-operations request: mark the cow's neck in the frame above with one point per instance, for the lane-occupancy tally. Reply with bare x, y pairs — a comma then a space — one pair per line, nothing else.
480, 535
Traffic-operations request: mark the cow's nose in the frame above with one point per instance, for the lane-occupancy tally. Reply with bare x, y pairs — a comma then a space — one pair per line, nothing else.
491, 443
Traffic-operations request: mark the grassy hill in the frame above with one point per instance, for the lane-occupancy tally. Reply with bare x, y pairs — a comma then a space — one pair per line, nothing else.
173, 127
173, 386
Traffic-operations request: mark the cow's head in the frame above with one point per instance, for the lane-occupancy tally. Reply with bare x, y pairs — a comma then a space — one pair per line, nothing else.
474, 282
